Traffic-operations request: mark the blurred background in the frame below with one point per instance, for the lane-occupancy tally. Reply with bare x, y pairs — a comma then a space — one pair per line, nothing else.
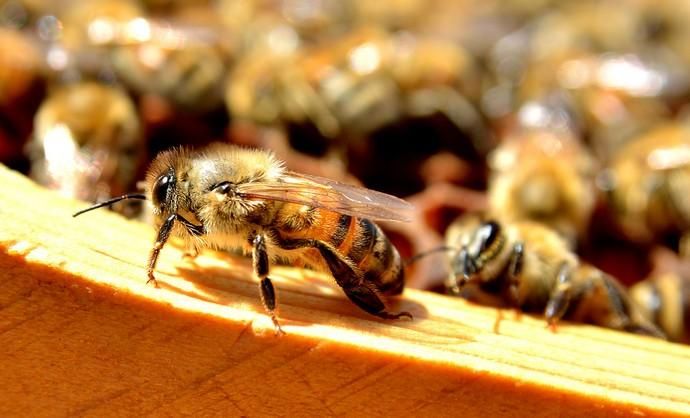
571, 113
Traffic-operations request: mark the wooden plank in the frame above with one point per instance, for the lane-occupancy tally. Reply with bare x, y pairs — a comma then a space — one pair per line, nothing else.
82, 334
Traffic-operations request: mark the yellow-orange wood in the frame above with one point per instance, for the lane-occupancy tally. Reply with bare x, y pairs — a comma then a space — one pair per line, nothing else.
82, 334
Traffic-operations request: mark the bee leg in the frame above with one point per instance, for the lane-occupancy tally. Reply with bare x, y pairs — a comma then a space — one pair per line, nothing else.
514, 270
268, 293
163, 235
460, 272
359, 292
560, 297
190, 255
621, 314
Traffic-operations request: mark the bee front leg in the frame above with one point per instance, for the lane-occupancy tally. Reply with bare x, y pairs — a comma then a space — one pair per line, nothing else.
460, 274
561, 295
163, 235
514, 270
261, 266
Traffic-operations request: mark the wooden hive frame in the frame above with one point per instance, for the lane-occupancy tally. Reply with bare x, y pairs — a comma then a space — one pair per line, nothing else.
82, 334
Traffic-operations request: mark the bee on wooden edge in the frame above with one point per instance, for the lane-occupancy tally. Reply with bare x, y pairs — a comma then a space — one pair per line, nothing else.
227, 197
529, 266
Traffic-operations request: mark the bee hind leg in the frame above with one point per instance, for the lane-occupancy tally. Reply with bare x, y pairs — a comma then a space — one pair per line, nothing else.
359, 292
622, 312
369, 301
268, 294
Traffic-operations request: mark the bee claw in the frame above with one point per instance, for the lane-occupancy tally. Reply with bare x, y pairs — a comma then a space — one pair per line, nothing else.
189, 256
552, 326
399, 315
277, 328
152, 280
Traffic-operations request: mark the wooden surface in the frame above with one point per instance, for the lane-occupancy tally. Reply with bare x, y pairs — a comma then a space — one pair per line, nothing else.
81, 334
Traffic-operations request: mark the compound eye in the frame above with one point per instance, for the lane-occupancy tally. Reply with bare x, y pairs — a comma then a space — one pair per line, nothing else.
490, 231
160, 189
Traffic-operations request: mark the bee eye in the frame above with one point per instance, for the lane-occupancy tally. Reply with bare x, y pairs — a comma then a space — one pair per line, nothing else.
160, 189
490, 231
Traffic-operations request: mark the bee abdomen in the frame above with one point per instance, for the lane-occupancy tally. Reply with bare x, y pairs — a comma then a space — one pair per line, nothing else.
376, 257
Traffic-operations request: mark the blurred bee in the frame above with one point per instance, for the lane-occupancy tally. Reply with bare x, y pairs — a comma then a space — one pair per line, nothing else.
183, 60
353, 85
21, 89
20, 65
647, 184
664, 299
616, 85
87, 141
228, 197
546, 176
528, 266
69, 35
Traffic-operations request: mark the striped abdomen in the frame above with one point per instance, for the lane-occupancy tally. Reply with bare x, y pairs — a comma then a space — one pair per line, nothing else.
360, 241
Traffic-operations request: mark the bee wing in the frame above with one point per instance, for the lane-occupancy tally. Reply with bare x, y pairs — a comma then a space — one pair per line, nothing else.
329, 194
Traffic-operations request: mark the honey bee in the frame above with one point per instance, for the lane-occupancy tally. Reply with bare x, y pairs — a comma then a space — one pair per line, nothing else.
86, 141
350, 86
528, 266
181, 58
545, 176
664, 299
184, 62
647, 184
227, 197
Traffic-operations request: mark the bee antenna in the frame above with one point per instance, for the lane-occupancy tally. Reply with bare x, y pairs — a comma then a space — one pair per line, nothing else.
110, 202
429, 252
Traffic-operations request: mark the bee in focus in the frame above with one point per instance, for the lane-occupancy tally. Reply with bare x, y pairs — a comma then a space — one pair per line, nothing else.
352, 85
227, 197
528, 266
664, 299
647, 184
545, 176
86, 141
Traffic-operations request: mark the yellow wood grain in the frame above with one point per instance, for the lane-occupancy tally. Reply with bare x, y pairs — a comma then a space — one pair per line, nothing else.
82, 334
